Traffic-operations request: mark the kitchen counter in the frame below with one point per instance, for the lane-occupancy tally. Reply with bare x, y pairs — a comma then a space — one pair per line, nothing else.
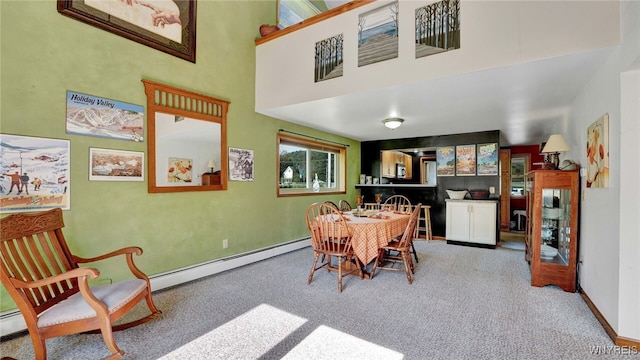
397, 185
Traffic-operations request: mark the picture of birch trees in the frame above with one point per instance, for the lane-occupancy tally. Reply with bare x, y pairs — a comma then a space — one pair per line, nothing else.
329, 58
437, 28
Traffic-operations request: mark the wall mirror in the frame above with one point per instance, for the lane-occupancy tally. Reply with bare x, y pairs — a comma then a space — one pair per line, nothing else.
519, 168
187, 140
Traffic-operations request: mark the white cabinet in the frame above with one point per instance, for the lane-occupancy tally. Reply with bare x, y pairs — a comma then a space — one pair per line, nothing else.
472, 221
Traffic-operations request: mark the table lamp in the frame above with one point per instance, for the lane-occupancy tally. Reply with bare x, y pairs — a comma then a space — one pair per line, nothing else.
554, 146
211, 165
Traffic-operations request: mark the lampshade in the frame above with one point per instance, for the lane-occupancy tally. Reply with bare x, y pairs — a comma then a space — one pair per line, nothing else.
211, 164
555, 144
392, 123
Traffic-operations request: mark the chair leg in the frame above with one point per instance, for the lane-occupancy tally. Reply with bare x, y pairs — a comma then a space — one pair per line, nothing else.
313, 268
107, 336
39, 347
415, 253
340, 273
406, 266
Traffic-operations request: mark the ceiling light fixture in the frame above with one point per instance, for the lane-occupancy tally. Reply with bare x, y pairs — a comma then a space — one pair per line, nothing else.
393, 123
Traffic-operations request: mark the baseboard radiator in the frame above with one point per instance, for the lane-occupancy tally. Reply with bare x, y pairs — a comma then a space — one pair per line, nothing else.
12, 321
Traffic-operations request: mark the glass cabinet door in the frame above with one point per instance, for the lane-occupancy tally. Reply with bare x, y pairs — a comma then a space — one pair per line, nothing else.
556, 229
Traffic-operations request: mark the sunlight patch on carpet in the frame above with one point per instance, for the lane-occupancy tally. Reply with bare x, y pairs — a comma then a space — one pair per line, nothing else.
251, 334
328, 343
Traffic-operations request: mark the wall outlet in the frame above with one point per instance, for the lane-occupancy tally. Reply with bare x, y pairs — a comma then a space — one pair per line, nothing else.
225, 243
492, 190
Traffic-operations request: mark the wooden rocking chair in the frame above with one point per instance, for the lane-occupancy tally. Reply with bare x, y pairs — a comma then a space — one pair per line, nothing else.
51, 289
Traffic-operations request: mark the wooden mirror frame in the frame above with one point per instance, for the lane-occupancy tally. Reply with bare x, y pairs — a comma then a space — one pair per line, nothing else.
170, 100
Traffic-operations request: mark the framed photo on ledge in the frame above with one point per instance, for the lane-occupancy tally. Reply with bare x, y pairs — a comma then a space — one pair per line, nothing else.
165, 25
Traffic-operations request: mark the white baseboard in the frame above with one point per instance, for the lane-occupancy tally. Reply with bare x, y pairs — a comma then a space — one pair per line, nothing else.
12, 321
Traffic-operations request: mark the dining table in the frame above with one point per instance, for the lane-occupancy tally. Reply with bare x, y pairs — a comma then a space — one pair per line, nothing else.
371, 232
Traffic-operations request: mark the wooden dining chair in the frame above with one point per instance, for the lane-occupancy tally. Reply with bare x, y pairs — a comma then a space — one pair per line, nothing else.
330, 238
51, 289
399, 251
398, 203
344, 205
329, 202
371, 206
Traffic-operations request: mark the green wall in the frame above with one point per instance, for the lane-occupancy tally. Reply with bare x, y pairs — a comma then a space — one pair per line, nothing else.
44, 54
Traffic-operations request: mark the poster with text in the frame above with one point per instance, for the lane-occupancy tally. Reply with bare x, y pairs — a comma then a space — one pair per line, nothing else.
488, 159
465, 160
96, 116
35, 173
445, 161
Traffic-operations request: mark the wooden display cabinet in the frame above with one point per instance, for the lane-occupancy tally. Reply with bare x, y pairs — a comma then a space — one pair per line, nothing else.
552, 227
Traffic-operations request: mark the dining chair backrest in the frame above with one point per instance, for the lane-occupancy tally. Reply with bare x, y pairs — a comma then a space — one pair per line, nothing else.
329, 202
344, 205
409, 231
328, 228
398, 203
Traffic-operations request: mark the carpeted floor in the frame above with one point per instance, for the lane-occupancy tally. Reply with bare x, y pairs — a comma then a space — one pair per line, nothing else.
464, 303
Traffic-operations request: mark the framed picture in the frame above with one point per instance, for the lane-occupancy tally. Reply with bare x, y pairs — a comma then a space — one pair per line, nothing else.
446, 161
115, 165
488, 159
465, 160
240, 164
165, 25
378, 34
437, 28
328, 58
35, 174
96, 116
180, 170
598, 153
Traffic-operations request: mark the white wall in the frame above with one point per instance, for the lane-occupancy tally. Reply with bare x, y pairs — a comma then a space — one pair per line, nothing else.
493, 34
609, 225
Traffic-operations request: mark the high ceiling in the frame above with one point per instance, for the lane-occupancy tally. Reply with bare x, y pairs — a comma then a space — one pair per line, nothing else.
523, 101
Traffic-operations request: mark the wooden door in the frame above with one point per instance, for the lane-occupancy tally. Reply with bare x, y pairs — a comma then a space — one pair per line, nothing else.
505, 189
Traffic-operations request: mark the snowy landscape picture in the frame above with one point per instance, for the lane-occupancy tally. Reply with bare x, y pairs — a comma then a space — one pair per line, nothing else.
115, 165
95, 116
34, 173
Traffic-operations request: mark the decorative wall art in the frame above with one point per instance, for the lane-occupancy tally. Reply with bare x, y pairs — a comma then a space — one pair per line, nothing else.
437, 28
180, 170
240, 164
378, 34
465, 160
329, 58
598, 153
165, 25
97, 116
446, 161
34, 173
115, 165
488, 159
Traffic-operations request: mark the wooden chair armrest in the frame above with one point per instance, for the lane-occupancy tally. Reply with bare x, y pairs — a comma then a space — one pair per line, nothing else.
124, 251
128, 252
75, 273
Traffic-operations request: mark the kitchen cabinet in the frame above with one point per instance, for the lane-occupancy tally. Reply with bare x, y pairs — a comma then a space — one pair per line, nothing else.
391, 159
471, 221
552, 227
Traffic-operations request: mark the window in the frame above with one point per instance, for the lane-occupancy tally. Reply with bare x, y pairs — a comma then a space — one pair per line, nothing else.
300, 161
